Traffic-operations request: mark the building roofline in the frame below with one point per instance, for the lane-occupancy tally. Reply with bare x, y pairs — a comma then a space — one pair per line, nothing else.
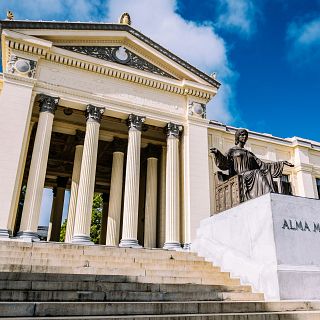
289, 141
58, 25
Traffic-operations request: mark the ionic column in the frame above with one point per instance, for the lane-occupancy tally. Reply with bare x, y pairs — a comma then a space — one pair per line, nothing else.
104, 217
150, 219
56, 216
74, 184
131, 192
162, 200
37, 172
53, 209
114, 211
172, 241
87, 176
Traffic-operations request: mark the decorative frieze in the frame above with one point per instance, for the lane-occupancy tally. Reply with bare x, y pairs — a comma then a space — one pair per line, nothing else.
94, 113
119, 54
48, 103
135, 122
173, 129
21, 66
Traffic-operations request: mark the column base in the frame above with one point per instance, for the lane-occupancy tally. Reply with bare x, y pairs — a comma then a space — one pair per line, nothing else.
172, 246
187, 246
27, 236
81, 240
129, 243
4, 234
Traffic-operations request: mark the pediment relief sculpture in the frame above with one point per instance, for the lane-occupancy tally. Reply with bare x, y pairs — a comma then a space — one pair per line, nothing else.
120, 55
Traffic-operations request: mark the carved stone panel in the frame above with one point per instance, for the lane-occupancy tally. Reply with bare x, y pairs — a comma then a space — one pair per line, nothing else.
119, 54
21, 66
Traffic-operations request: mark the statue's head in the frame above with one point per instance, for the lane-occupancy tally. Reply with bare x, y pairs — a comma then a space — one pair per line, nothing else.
241, 135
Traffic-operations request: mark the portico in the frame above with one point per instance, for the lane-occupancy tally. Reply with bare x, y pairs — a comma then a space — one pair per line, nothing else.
108, 111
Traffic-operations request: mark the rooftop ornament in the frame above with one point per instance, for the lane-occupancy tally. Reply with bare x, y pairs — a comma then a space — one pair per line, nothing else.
125, 19
10, 15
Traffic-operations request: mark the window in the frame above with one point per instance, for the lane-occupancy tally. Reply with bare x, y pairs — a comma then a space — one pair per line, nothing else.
285, 185
318, 186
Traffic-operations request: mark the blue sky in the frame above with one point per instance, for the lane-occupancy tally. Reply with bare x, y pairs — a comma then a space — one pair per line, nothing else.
265, 52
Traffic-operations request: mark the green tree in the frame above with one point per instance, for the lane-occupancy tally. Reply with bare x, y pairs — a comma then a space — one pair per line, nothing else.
63, 231
95, 220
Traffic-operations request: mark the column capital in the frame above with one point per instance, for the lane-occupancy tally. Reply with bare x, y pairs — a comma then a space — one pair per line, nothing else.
94, 113
119, 145
172, 129
48, 103
135, 122
79, 137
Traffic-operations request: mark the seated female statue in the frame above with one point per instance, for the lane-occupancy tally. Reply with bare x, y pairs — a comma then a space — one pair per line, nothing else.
256, 174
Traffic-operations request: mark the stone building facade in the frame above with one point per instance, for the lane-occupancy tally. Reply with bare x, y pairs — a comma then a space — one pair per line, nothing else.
94, 107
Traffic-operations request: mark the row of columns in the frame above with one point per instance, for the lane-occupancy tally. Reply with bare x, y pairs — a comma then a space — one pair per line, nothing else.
83, 181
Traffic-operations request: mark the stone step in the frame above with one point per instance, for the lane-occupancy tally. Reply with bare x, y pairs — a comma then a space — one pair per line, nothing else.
86, 261
296, 315
80, 285
176, 309
103, 258
120, 295
65, 249
120, 270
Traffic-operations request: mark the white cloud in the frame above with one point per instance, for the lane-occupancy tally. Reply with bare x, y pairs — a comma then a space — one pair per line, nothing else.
237, 15
196, 43
304, 41
52, 9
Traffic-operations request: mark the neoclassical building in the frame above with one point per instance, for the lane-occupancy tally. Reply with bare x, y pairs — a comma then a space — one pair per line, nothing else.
96, 107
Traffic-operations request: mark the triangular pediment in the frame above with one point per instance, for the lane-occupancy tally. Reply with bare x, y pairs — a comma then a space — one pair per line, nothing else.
99, 40
120, 55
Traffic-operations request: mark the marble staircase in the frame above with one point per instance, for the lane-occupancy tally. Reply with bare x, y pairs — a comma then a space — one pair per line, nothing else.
42, 280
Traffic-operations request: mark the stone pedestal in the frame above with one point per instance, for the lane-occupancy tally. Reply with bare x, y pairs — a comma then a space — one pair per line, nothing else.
271, 242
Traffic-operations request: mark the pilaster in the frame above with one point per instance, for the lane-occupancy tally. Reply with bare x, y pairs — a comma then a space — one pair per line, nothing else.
172, 240
16, 102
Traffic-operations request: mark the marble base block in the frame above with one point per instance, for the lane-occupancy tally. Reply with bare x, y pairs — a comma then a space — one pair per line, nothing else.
271, 242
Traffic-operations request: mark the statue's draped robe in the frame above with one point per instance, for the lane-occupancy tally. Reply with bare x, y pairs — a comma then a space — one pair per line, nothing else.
256, 174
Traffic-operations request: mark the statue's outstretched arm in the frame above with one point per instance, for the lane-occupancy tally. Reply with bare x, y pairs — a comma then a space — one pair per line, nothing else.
221, 160
275, 168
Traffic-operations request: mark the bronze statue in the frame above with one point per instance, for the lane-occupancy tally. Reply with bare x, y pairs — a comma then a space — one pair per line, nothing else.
256, 175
